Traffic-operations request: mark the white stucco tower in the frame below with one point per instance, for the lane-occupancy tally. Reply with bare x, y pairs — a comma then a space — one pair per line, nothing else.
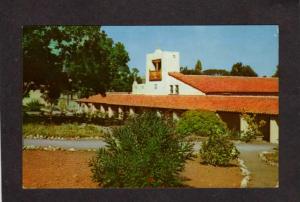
158, 82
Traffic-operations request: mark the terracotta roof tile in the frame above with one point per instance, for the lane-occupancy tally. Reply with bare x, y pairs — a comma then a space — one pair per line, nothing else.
253, 104
229, 84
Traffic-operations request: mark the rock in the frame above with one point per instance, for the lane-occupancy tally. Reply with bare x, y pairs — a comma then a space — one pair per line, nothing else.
71, 149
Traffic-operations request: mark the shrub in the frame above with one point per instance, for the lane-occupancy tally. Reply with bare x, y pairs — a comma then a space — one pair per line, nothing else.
202, 123
253, 127
218, 150
145, 152
33, 105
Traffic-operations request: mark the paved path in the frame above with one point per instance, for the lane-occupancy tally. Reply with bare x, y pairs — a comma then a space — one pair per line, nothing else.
262, 175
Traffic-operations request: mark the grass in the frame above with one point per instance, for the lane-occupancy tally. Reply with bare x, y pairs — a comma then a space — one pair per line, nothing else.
62, 130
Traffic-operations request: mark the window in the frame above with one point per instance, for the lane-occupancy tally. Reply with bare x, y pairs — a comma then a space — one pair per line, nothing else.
177, 89
171, 89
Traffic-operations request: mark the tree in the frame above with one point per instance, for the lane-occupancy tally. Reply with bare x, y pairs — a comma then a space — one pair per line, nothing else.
239, 69
121, 81
135, 75
216, 72
276, 74
42, 67
198, 67
55, 55
188, 71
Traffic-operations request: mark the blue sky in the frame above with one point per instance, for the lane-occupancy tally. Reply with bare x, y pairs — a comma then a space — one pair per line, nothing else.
216, 46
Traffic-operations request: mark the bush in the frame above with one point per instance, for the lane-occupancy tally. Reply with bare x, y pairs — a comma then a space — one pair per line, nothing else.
33, 105
202, 123
218, 150
145, 152
253, 129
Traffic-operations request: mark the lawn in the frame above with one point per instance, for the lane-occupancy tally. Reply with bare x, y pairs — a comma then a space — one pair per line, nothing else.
65, 169
61, 130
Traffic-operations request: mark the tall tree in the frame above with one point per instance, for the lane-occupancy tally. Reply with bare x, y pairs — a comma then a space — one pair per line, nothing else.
198, 67
121, 81
42, 68
55, 55
239, 69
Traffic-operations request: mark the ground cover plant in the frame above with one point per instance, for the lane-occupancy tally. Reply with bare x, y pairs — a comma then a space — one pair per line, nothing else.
200, 123
62, 130
145, 152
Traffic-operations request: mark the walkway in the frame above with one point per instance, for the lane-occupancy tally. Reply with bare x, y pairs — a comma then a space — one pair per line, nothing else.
262, 174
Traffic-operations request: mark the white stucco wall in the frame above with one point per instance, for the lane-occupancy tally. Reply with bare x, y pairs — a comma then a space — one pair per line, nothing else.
243, 124
274, 130
169, 63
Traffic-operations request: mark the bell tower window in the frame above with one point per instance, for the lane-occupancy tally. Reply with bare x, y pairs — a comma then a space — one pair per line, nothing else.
155, 75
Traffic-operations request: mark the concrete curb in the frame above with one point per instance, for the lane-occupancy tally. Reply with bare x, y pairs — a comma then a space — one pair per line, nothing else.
62, 138
53, 148
245, 172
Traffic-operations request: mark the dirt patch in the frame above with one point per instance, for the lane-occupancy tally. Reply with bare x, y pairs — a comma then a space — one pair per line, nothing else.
65, 169
57, 169
207, 176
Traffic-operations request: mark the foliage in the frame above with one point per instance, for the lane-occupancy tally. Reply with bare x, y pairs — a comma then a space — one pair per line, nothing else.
234, 134
135, 76
145, 152
62, 105
239, 69
276, 74
198, 67
187, 71
62, 130
78, 58
33, 105
216, 72
253, 128
218, 150
202, 123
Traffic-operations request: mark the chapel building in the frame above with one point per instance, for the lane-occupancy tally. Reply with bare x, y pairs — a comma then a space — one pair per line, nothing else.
170, 93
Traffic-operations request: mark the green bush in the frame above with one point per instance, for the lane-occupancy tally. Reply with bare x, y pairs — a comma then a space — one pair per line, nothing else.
201, 123
33, 105
145, 152
218, 150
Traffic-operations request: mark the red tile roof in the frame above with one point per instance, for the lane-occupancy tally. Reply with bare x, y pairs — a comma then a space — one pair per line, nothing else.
229, 84
252, 104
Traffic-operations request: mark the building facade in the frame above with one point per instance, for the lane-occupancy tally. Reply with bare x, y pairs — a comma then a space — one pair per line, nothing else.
169, 92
